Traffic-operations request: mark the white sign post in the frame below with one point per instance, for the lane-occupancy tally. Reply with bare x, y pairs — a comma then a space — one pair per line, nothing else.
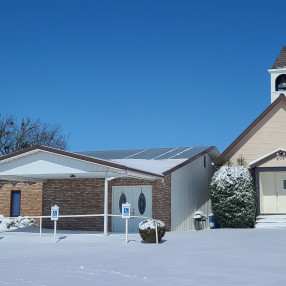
126, 215
55, 217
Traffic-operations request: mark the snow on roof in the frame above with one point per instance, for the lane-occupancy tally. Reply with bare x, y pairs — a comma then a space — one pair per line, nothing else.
153, 166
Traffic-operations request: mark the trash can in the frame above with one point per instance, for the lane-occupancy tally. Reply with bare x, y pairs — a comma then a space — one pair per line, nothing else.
200, 220
212, 222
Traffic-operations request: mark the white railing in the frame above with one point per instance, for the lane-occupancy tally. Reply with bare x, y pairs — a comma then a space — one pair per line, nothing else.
88, 215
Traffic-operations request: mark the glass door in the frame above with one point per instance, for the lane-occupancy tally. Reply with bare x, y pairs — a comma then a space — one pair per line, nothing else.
15, 203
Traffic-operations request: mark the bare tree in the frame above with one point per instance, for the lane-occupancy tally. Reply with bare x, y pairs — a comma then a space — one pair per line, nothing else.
16, 135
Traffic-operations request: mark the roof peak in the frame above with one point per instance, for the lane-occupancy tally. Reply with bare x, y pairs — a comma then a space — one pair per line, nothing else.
281, 59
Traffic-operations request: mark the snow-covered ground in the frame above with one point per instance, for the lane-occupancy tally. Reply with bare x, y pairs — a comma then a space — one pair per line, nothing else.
212, 257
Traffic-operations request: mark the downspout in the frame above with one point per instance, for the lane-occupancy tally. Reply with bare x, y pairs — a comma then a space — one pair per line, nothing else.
106, 204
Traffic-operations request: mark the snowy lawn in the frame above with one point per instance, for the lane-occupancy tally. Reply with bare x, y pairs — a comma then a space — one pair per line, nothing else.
213, 257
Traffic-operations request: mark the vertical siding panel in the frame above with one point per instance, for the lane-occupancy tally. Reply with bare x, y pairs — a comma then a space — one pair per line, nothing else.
189, 193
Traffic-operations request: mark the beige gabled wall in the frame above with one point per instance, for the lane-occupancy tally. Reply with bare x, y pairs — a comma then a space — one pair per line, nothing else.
267, 136
274, 163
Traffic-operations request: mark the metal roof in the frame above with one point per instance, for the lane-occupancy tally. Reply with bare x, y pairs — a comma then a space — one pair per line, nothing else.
148, 154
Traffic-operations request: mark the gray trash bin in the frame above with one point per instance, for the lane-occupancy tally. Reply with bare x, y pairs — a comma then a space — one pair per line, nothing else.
200, 220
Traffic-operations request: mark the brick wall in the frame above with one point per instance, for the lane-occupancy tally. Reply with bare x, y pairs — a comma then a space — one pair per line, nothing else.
75, 196
31, 198
86, 196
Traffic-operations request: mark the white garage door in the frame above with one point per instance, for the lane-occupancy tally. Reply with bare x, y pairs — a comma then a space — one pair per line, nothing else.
140, 199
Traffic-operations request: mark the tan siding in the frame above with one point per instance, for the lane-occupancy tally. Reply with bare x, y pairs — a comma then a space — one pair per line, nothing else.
274, 163
267, 136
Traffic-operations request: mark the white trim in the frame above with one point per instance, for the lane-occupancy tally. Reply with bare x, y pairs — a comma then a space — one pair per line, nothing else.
22, 179
277, 70
261, 158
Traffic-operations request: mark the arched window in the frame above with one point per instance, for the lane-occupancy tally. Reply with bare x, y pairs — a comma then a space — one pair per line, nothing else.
280, 82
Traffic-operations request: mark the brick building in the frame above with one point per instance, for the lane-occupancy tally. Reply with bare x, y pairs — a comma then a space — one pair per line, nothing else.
168, 184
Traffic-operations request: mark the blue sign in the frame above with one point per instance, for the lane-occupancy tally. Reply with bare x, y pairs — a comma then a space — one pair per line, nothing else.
55, 212
126, 210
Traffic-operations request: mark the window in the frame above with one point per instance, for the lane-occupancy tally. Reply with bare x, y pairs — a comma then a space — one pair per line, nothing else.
205, 161
122, 200
284, 184
15, 203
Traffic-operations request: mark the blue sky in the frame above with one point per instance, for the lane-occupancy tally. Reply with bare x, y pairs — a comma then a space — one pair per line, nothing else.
140, 74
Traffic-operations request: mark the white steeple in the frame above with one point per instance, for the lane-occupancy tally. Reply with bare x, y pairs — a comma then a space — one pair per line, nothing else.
278, 75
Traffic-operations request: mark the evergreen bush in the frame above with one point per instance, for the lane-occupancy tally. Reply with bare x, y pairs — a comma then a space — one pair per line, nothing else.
233, 198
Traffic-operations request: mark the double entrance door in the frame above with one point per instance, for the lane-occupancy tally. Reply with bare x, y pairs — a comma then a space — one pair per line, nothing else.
140, 200
273, 192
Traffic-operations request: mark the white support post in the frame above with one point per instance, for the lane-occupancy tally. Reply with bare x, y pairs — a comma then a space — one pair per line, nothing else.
105, 206
55, 231
41, 226
156, 229
126, 230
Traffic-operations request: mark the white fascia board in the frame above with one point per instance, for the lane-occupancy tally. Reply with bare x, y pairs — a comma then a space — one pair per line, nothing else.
278, 70
17, 157
261, 158
22, 179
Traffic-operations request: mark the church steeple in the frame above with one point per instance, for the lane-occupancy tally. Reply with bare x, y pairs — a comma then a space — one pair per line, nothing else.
278, 75
281, 60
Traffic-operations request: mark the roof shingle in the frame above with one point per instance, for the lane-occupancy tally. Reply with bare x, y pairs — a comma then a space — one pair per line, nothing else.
281, 59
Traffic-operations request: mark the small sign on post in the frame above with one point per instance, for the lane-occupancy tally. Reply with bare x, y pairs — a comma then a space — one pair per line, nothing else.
126, 215
126, 210
55, 217
55, 212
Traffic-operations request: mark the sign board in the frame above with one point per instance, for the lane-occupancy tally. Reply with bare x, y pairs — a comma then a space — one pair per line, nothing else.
126, 210
55, 212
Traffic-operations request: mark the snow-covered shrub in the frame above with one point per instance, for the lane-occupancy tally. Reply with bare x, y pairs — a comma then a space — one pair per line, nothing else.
17, 222
147, 230
233, 198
